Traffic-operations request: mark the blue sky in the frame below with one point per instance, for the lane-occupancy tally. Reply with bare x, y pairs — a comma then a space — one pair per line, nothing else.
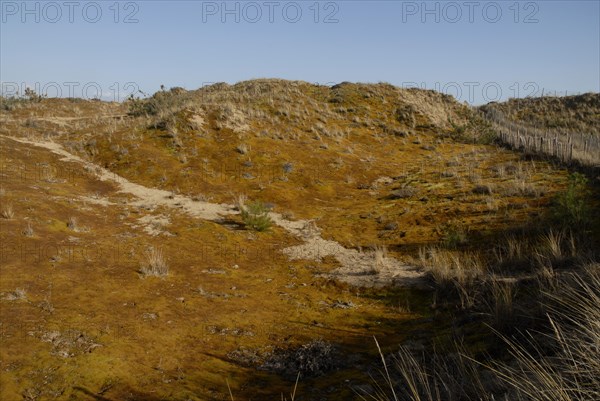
477, 51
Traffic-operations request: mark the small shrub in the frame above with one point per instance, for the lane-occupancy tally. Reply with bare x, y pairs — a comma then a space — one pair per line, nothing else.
32, 96
406, 115
453, 235
31, 123
255, 216
482, 190
11, 103
571, 208
310, 360
163, 107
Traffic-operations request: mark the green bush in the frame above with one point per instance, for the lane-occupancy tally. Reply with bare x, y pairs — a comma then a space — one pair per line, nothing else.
11, 103
475, 130
453, 234
571, 206
32, 96
139, 107
256, 216
161, 104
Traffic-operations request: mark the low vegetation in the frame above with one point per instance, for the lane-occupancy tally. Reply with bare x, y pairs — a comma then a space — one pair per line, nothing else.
542, 325
155, 263
572, 207
474, 265
255, 216
558, 364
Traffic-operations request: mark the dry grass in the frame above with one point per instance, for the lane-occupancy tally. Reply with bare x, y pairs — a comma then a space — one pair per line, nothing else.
242, 149
503, 295
28, 230
155, 263
72, 223
240, 202
379, 257
17, 295
513, 252
454, 271
7, 211
571, 371
410, 376
560, 365
447, 266
200, 198
556, 247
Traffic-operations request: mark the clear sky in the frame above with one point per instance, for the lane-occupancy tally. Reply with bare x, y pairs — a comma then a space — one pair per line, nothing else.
475, 50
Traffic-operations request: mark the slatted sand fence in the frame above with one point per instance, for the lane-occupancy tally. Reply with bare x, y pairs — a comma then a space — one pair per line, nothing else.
562, 144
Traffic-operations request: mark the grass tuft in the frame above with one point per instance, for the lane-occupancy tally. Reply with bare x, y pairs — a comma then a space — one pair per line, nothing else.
155, 263
255, 216
7, 211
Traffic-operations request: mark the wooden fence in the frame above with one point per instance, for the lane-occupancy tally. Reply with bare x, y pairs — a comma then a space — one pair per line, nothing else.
566, 146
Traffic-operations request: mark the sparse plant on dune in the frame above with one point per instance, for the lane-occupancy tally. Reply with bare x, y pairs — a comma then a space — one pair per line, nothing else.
255, 216
240, 201
451, 271
571, 207
72, 223
28, 230
242, 149
561, 364
33, 96
556, 247
453, 234
200, 198
564, 364
155, 263
17, 295
10, 103
7, 211
503, 296
379, 257
412, 376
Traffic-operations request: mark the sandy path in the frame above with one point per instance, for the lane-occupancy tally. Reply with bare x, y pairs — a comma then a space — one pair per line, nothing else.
356, 268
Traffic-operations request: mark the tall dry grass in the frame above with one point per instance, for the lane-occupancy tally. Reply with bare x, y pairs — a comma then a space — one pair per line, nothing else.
454, 271
560, 364
563, 364
155, 263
